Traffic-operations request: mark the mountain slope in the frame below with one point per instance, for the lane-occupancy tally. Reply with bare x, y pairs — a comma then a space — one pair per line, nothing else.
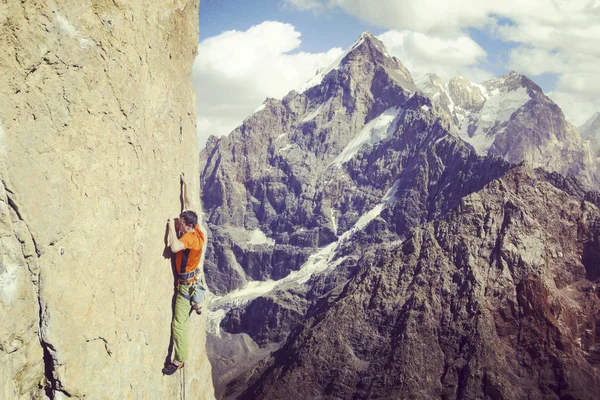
246, 189
477, 304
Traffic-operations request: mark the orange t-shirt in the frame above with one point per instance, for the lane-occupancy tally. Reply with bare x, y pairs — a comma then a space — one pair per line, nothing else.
188, 259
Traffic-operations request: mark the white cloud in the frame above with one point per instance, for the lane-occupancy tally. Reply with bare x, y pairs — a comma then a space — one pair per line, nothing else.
448, 57
444, 15
416, 15
235, 71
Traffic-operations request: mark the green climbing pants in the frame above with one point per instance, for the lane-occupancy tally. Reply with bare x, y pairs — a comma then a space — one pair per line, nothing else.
181, 323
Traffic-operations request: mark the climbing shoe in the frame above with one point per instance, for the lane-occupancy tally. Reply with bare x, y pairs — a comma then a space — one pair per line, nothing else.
172, 368
197, 308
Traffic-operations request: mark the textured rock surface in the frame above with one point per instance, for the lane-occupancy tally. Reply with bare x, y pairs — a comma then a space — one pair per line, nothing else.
492, 301
97, 121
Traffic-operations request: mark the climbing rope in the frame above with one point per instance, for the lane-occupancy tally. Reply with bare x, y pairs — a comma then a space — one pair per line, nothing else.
183, 385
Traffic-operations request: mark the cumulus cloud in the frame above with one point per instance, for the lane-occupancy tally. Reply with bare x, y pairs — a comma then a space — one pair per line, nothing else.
576, 110
415, 15
444, 15
563, 41
577, 94
446, 57
551, 37
235, 71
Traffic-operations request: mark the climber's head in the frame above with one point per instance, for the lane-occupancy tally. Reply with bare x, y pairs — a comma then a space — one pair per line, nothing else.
187, 221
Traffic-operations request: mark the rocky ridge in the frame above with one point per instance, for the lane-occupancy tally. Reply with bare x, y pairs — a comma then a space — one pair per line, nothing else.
494, 300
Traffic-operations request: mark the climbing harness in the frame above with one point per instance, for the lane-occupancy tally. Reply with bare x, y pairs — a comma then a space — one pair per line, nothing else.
196, 285
188, 277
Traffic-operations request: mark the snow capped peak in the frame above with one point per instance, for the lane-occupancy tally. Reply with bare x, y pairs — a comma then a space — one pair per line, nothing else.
467, 94
437, 89
322, 72
511, 82
594, 119
366, 35
479, 111
366, 49
370, 38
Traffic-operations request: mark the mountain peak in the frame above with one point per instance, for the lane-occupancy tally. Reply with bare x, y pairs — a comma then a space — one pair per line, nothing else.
368, 40
367, 34
511, 82
366, 49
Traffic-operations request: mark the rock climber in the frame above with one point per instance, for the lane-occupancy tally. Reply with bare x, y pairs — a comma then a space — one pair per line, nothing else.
187, 247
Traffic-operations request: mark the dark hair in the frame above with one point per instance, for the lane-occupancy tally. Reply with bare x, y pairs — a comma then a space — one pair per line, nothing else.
189, 218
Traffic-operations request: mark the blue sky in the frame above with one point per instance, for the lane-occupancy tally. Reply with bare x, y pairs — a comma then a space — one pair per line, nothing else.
320, 32
249, 50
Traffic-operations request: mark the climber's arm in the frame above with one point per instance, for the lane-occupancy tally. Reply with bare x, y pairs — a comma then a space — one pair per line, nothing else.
185, 195
174, 243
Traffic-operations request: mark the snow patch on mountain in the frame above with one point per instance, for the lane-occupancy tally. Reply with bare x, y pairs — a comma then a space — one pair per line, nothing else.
322, 260
259, 237
498, 109
392, 193
375, 131
313, 113
501, 106
334, 222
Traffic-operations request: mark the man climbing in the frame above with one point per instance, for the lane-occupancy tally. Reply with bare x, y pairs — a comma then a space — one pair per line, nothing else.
188, 249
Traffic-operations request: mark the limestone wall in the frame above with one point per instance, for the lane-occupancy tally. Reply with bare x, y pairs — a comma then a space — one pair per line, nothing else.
97, 120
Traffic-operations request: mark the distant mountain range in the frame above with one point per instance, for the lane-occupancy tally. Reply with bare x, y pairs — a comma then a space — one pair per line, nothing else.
375, 237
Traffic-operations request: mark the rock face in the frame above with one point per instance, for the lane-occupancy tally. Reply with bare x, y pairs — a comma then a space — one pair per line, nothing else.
492, 301
364, 247
96, 123
295, 194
